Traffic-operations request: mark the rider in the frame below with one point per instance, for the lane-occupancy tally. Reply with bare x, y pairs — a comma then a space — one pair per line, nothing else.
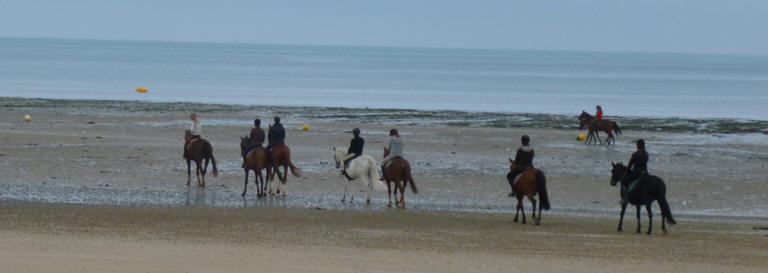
257, 139
523, 160
276, 136
195, 129
355, 149
599, 114
393, 149
638, 163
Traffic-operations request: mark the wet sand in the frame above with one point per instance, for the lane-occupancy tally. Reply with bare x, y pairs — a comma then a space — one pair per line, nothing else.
85, 238
84, 190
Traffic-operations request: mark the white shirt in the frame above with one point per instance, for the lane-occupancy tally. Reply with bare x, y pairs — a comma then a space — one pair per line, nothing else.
196, 129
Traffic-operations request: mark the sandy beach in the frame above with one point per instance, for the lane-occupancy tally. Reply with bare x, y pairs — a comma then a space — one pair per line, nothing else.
85, 189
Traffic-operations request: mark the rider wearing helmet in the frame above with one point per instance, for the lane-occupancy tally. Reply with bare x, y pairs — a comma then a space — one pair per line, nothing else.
523, 160
276, 136
257, 139
638, 163
393, 150
355, 149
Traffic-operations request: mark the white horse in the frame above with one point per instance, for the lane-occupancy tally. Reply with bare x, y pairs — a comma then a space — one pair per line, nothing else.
364, 168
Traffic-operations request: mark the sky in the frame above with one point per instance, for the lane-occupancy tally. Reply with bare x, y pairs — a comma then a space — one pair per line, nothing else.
701, 26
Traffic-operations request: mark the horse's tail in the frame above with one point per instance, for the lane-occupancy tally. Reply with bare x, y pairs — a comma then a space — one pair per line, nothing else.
409, 179
215, 170
541, 187
665, 211
209, 151
616, 128
295, 171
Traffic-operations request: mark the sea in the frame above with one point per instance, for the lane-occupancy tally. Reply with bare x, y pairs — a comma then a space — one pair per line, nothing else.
468, 82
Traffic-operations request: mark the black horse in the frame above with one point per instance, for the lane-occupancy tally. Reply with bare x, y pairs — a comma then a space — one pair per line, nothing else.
642, 192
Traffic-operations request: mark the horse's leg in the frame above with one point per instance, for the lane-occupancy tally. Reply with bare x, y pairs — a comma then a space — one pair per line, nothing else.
638, 218
369, 188
346, 188
597, 134
189, 170
522, 209
205, 169
533, 203
285, 178
245, 185
389, 193
402, 193
197, 171
519, 206
621, 218
650, 217
610, 138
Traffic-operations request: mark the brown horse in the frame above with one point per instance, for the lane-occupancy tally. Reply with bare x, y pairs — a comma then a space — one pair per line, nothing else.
529, 183
399, 171
595, 126
198, 150
256, 160
281, 156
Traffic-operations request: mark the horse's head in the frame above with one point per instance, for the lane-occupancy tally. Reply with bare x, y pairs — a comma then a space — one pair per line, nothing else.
244, 140
338, 155
187, 135
512, 164
617, 173
584, 118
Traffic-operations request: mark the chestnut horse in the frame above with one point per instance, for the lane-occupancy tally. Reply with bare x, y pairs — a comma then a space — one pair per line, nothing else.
255, 160
595, 126
642, 192
530, 182
198, 150
281, 156
399, 171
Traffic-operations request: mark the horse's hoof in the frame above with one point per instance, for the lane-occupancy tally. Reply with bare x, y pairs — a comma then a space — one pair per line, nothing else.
390, 205
368, 201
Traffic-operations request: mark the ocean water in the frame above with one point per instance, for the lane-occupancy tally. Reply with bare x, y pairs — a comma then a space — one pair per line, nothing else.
492, 81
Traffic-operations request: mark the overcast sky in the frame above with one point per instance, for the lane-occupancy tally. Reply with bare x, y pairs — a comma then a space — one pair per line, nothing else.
728, 26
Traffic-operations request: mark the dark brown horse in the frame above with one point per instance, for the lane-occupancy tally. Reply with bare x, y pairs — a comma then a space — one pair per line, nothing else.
642, 192
399, 171
281, 156
255, 160
198, 150
529, 183
594, 126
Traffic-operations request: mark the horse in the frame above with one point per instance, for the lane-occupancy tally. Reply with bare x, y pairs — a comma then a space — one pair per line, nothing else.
399, 171
255, 160
595, 126
642, 192
198, 150
281, 156
363, 167
530, 182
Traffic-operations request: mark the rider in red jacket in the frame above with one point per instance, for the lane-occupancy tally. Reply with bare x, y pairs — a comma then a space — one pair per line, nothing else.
599, 115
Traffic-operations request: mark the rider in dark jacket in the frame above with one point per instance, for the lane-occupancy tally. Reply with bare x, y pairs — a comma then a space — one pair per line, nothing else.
638, 163
276, 136
355, 148
257, 139
523, 160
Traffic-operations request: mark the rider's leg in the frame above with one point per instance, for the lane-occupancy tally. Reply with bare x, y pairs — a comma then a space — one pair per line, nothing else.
510, 178
383, 165
344, 161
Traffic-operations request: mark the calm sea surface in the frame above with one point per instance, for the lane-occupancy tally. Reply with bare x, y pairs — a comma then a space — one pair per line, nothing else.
515, 81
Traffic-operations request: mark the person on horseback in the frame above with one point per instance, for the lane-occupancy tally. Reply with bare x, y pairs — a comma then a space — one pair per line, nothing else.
355, 149
276, 136
638, 164
195, 129
599, 114
523, 161
393, 149
257, 139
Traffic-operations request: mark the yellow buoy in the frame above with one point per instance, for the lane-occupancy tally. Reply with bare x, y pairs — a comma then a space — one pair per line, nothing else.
305, 127
27, 118
581, 137
141, 89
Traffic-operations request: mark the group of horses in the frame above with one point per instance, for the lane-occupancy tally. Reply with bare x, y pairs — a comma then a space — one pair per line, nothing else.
530, 183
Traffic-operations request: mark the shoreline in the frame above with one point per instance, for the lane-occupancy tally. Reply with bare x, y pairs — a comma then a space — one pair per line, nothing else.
394, 116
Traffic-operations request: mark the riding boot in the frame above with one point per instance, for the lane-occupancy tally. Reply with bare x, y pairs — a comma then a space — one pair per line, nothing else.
383, 174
